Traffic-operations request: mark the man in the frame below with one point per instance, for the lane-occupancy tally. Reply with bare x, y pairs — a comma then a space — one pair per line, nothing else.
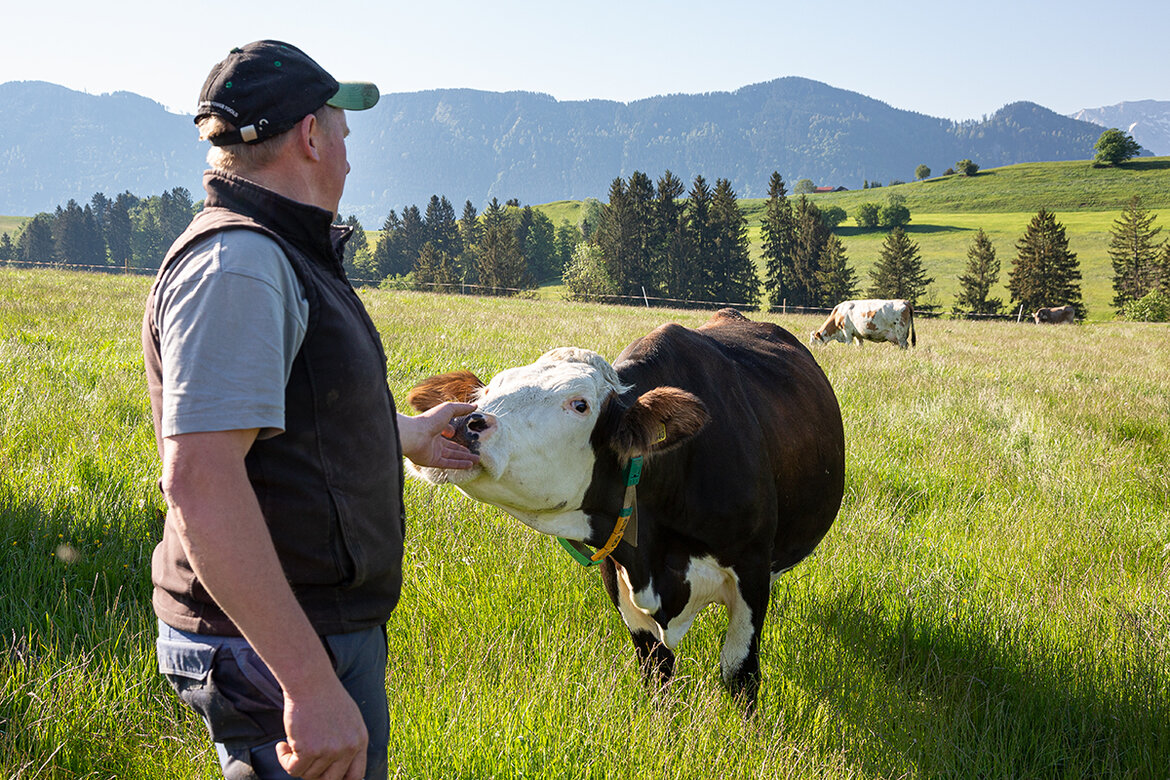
281, 555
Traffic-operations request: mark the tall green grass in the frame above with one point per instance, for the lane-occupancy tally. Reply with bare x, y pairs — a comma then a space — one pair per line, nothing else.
992, 601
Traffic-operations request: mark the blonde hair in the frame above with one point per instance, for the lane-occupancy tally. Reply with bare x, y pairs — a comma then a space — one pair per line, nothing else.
242, 157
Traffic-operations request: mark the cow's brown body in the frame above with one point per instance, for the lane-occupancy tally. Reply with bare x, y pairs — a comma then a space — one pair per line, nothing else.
744, 474
1055, 315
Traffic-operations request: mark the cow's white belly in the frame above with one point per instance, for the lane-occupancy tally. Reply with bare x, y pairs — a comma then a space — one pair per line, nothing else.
709, 583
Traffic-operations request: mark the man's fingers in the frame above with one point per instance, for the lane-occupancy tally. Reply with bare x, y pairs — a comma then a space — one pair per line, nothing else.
321, 768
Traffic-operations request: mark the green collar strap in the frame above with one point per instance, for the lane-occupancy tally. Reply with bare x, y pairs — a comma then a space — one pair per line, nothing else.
627, 521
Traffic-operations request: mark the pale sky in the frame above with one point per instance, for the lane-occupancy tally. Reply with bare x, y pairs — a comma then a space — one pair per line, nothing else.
956, 60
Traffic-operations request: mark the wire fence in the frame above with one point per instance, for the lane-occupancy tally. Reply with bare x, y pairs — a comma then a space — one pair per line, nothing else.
463, 288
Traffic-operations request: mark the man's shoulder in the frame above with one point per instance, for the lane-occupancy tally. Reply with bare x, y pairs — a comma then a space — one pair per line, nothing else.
236, 251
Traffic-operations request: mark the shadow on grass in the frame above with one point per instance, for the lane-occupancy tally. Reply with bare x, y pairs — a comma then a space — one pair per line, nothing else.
912, 229
70, 569
997, 701
1146, 164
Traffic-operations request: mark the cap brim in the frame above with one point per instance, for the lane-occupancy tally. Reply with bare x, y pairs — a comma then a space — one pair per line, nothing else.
355, 96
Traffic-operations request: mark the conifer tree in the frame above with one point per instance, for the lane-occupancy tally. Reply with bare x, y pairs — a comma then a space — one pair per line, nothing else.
626, 234
441, 228
811, 236
35, 242
1045, 272
673, 246
411, 237
898, 273
836, 279
1134, 251
101, 207
175, 209
7, 249
976, 281
616, 237
732, 277
469, 234
539, 244
118, 231
640, 196
388, 259
778, 238
701, 239
434, 270
357, 256
70, 239
500, 266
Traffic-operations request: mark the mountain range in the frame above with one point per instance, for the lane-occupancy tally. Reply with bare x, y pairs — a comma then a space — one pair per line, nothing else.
57, 144
1148, 121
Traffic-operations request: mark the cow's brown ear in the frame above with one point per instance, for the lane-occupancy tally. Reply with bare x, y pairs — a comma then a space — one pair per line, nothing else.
658, 420
454, 386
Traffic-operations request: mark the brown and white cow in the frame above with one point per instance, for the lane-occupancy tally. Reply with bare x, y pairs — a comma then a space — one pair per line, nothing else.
872, 320
1055, 315
744, 469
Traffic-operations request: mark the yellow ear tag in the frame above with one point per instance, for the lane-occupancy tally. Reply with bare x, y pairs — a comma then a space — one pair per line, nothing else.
662, 435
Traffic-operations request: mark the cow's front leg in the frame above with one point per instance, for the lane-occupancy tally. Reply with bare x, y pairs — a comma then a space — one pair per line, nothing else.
655, 659
739, 660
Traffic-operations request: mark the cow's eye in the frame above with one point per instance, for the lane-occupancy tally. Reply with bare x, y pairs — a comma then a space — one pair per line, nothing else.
579, 405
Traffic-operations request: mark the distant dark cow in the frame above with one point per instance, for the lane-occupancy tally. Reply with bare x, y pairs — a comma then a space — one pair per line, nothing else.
743, 475
872, 320
1056, 315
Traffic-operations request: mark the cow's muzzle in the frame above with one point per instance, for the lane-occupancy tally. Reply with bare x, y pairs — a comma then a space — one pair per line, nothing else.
471, 428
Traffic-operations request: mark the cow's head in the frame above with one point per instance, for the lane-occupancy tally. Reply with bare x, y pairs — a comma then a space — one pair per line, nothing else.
832, 329
540, 429
827, 334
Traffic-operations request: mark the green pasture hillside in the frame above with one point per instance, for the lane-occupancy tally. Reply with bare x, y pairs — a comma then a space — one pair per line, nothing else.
1057, 186
10, 224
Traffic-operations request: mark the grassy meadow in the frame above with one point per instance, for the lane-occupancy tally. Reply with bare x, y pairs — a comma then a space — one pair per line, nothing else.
992, 601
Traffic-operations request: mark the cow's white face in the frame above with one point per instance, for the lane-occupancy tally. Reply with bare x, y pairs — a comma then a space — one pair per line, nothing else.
536, 460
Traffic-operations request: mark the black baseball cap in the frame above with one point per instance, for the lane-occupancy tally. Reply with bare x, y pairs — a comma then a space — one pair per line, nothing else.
266, 87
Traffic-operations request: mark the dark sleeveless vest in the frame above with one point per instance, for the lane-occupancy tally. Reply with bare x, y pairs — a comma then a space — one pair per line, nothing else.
330, 486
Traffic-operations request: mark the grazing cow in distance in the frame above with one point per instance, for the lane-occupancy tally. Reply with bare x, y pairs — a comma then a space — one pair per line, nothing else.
872, 320
1055, 315
739, 442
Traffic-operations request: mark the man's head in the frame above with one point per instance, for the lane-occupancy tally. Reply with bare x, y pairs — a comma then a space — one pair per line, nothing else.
266, 87
262, 91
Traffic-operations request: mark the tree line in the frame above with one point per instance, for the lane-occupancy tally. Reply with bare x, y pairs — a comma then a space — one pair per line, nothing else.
653, 242
506, 249
123, 232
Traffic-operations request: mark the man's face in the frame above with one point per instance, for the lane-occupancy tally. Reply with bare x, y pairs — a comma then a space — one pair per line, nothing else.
335, 165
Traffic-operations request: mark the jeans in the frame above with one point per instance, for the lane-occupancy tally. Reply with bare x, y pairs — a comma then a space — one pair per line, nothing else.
224, 681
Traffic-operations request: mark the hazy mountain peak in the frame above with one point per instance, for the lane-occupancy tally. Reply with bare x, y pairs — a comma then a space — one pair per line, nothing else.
1148, 121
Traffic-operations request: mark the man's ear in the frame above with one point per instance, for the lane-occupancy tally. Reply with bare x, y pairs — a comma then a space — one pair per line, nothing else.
308, 132
657, 421
459, 386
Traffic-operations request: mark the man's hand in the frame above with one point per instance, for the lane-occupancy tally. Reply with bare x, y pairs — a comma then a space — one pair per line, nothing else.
426, 438
326, 736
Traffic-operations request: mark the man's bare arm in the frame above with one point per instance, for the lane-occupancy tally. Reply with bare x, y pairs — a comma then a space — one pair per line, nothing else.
219, 523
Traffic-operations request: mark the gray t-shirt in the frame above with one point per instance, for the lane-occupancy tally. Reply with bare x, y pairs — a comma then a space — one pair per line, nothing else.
231, 319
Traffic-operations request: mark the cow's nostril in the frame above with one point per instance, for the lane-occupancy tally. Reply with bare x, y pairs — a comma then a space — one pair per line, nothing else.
476, 422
